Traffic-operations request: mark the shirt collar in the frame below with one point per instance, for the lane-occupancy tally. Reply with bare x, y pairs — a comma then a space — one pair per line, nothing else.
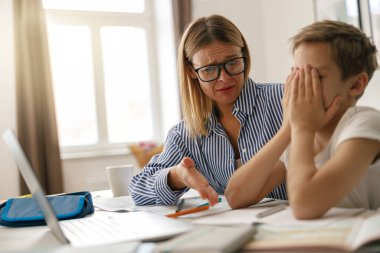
246, 102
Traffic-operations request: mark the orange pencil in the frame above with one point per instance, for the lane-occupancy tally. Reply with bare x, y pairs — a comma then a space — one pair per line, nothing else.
188, 211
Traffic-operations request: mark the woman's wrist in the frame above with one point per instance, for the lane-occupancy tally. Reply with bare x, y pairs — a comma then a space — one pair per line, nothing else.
173, 181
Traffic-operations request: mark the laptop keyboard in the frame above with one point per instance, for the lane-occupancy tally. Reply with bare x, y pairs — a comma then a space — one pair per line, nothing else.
97, 230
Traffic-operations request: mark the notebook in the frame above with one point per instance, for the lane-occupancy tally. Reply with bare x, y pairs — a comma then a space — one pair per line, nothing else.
102, 227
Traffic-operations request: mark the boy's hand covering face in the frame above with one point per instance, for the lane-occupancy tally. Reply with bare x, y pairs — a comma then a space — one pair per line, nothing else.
306, 108
286, 97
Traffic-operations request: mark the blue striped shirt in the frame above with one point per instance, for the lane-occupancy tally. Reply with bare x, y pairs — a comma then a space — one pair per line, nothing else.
259, 112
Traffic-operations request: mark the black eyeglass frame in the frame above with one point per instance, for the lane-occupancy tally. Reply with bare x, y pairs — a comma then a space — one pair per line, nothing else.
219, 66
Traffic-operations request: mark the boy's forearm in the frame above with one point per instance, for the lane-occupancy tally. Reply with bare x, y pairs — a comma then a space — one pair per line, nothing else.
301, 165
246, 185
301, 149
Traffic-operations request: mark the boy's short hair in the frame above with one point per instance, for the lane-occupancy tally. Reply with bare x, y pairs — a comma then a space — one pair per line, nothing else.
350, 48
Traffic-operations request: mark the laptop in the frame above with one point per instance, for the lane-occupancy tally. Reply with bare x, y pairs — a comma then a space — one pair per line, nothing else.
101, 227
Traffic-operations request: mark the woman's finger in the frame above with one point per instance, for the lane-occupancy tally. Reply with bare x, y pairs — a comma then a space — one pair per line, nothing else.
205, 190
212, 196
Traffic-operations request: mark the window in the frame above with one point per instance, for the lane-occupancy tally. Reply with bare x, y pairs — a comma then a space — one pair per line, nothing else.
374, 6
129, 6
364, 14
105, 73
343, 10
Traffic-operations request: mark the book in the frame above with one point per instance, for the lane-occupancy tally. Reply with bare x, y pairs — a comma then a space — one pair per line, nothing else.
347, 234
209, 239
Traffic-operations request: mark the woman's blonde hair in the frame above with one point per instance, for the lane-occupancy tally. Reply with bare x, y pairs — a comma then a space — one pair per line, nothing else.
196, 106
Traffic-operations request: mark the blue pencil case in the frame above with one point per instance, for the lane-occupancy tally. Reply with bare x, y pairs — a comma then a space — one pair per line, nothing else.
24, 212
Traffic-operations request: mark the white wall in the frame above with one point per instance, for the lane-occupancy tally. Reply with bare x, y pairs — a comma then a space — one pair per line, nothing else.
371, 96
89, 173
8, 169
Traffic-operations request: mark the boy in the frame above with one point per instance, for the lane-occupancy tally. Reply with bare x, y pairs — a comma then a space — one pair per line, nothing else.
334, 154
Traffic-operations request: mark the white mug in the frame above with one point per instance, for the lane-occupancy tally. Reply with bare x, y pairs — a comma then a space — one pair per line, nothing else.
119, 177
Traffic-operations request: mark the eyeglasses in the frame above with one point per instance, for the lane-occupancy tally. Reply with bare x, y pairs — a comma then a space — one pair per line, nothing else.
232, 67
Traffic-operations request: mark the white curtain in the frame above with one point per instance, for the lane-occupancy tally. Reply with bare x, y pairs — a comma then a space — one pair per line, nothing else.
36, 122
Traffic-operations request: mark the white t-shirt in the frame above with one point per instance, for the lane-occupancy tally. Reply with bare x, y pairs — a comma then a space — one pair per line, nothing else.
357, 122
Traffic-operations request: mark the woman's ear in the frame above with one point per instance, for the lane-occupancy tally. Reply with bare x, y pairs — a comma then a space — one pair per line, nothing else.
193, 74
191, 71
359, 84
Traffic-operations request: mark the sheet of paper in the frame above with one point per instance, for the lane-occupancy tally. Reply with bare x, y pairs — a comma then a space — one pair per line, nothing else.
190, 202
223, 206
284, 217
231, 217
124, 203
287, 218
104, 201
163, 210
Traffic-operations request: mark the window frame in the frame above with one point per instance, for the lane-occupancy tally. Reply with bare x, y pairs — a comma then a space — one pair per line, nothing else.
95, 20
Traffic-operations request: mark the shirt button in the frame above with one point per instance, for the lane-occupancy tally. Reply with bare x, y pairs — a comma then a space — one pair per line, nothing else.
244, 150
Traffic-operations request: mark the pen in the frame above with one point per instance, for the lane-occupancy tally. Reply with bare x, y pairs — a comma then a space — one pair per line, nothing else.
180, 205
271, 211
188, 211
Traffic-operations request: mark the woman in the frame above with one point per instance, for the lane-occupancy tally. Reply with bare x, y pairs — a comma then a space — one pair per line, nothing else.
227, 118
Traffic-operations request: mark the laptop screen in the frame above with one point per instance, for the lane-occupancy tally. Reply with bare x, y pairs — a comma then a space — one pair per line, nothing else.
33, 184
